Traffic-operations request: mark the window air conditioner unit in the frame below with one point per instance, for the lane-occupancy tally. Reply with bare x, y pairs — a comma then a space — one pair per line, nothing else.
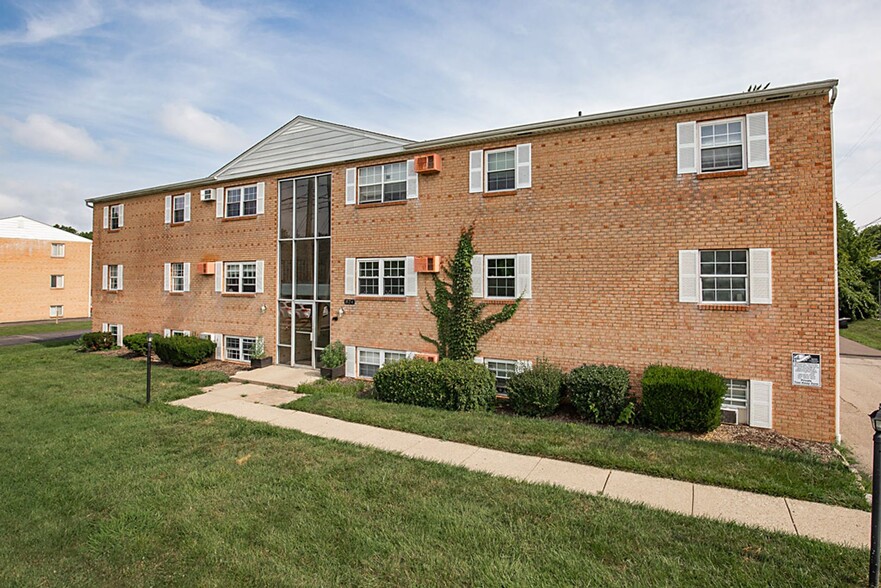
729, 417
427, 164
205, 268
430, 357
208, 195
427, 264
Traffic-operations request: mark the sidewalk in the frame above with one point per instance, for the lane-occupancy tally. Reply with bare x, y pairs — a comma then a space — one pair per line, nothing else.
819, 521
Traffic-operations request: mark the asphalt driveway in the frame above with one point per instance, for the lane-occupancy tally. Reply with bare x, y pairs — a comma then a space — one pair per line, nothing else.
41, 337
860, 395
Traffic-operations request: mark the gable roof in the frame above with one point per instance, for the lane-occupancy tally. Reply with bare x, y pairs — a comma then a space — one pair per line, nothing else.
21, 227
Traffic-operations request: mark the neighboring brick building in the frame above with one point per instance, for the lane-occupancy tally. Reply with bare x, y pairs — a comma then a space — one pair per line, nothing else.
45, 272
699, 233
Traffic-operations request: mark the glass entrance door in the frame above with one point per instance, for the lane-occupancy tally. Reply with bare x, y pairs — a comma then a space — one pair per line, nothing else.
304, 269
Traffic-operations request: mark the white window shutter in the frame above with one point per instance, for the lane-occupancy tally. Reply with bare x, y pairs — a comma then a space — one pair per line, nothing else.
760, 276
760, 404
103, 327
186, 276
259, 280
106, 217
119, 335
351, 174
121, 215
523, 275
218, 276
351, 276
187, 200
410, 282
412, 180
686, 148
119, 269
523, 169
166, 333
218, 205
689, 275
757, 148
103, 277
167, 210
261, 197
478, 360
477, 276
218, 345
351, 368
167, 281
475, 171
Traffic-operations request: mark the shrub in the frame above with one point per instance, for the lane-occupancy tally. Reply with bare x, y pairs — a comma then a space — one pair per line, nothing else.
183, 351
536, 391
96, 341
333, 356
136, 343
679, 399
449, 384
600, 393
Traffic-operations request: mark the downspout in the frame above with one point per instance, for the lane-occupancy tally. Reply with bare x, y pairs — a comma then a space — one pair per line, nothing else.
92, 206
833, 94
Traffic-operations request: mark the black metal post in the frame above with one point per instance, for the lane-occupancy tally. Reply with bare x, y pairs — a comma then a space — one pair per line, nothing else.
149, 362
875, 555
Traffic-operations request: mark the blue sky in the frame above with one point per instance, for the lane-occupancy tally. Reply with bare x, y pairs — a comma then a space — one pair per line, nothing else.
101, 97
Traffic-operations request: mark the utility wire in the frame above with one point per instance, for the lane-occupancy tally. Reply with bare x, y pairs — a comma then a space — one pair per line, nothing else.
863, 138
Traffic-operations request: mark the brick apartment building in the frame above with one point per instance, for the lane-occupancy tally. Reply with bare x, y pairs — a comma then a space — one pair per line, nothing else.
698, 233
46, 272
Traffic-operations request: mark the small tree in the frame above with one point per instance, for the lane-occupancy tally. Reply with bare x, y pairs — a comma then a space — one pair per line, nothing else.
460, 320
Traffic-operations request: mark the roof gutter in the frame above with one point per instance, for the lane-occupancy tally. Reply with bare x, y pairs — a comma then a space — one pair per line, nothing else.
152, 190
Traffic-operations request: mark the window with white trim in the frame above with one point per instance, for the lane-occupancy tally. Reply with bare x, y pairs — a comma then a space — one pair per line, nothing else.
178, 333
382, 183
177, 277
502, 370
56, 311
57, 249
238, 348
721, 145
178, 208
114, 214
113, 277
723, 275
737, 395
113, 330
381, 277
501, 276
241, 201
240, 277
500, 170
370, 360
56, 281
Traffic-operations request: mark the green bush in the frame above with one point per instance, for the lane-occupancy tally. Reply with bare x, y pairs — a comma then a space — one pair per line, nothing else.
679, 399
536, 391
601, 393
333, 356
136, 343
96, 341
183, 351
449, 384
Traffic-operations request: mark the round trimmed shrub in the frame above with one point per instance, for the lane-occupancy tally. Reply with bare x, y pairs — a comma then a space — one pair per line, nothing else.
136, 343
183, 351
449, 384
679, 399
467, 385
536, 391
600, 393
97, 341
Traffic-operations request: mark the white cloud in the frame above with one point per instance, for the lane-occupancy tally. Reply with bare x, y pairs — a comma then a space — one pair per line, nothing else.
44, 133
185, 121
51, 22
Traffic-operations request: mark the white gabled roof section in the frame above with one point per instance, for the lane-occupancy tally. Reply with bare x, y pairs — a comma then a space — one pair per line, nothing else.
307, 142
21, 227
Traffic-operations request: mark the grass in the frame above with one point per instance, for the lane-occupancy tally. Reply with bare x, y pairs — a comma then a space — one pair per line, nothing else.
867, 332
778, 473
99, 489
36, 328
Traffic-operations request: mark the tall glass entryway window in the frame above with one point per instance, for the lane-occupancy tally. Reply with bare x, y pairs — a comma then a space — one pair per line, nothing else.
303, 269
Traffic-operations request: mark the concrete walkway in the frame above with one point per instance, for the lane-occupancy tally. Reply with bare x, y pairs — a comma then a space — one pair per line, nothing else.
278, 376
849, 348
860, 395
819, 521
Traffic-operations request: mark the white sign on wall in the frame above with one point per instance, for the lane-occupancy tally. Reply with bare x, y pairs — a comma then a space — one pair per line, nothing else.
806, 369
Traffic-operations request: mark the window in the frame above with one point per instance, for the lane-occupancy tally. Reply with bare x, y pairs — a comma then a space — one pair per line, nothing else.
177, 277
500, 276
178, 212
178, 333
57, 249
381, 277
113, 330
241, 201
56, 311
115, 215
56, 281
737, 395
113, 277
500, 166
382, 183
723, 275
241, 277
370, 360
239, 348
721, 145
502, 370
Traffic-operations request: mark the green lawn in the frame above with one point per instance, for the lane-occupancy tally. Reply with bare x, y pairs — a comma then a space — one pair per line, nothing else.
779, 473
36, 328
100, 490
867, 332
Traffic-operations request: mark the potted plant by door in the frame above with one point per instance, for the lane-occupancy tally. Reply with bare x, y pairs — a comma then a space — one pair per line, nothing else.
333, 361
259, 358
